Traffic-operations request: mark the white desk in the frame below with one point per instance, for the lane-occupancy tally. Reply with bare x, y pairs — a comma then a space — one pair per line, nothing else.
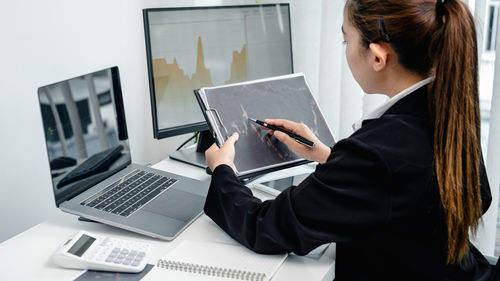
26, 255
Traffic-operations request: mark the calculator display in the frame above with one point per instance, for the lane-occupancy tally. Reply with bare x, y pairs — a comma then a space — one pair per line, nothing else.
81, 245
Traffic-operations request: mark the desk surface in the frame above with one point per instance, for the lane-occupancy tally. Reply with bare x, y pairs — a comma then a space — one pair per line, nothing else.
26, 256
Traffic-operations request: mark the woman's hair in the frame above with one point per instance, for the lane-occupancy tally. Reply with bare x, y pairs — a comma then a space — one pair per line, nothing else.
438, 39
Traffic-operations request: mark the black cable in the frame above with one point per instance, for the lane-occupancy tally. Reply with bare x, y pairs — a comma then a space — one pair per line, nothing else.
184, 143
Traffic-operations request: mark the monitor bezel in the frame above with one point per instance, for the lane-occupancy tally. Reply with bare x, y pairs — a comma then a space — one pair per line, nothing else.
160, 133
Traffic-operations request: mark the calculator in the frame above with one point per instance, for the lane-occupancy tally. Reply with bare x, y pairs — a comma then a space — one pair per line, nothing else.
89, 251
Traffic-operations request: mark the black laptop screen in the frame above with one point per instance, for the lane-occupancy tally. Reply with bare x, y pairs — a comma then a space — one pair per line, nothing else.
85, 132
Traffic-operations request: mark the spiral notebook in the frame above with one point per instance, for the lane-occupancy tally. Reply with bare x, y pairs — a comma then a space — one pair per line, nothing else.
209, 261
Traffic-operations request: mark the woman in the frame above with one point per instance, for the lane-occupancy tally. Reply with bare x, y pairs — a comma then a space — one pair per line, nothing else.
401, 193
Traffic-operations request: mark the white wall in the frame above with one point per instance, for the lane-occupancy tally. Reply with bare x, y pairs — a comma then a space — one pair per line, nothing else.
47, 41
44, 42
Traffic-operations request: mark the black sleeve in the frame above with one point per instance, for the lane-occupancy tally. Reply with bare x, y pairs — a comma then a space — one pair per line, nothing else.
485, 186
341, 201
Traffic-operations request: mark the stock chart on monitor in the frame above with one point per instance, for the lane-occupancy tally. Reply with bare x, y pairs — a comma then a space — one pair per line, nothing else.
192, 48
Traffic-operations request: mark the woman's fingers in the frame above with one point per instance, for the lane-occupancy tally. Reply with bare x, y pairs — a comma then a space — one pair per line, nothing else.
283, 123
232, 139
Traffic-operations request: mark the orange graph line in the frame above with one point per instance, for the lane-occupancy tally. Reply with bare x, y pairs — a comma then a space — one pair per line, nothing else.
170, 79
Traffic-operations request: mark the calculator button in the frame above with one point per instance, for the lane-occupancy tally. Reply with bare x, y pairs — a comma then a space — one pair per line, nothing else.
124, 251
127, 262
109, 259
106, 242
136, 263
141, 254
116, 250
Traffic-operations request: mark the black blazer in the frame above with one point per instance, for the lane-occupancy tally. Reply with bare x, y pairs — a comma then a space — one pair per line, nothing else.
376, 197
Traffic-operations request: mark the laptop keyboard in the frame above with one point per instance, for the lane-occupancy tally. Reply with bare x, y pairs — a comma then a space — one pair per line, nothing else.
129, 194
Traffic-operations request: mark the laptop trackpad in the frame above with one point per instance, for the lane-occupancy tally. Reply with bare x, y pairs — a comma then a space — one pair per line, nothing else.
176, 204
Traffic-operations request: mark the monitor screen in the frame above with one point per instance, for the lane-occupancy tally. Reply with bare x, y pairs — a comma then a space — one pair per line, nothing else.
85, 130
190, 48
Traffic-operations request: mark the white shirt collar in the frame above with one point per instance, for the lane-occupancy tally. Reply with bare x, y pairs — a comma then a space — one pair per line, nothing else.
378, 111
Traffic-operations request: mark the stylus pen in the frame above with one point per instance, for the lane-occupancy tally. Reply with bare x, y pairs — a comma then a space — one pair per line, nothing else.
297, 138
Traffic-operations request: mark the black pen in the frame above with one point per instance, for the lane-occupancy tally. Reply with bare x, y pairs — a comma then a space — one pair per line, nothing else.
297, 138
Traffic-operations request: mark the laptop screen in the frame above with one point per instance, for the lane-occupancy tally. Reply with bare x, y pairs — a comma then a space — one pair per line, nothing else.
85, 131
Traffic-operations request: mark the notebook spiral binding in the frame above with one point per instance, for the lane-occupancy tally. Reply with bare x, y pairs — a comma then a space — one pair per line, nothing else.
211, 270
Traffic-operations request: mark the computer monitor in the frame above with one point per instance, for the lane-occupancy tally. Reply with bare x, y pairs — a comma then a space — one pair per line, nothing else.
193, 47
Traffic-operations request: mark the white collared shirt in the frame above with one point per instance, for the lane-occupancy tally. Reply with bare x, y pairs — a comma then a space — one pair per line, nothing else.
378, 111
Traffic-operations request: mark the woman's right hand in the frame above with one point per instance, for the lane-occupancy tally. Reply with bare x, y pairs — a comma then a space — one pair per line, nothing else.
318, 153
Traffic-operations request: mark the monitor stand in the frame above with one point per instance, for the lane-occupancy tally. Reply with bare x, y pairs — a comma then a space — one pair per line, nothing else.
195, 156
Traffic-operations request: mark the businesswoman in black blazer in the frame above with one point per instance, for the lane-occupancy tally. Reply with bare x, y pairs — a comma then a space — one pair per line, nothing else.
400, 195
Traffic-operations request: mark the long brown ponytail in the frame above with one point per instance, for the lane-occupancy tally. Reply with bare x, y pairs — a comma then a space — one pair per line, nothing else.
439, 39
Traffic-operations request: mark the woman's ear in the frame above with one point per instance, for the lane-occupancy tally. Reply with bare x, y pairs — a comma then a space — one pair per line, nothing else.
380, 56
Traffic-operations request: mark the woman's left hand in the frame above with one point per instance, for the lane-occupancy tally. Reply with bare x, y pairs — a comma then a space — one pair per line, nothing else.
216, 156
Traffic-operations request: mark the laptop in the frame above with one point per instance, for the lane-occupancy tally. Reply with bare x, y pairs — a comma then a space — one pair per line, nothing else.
90, 162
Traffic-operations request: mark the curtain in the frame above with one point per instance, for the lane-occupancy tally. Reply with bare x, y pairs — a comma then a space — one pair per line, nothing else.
487, 235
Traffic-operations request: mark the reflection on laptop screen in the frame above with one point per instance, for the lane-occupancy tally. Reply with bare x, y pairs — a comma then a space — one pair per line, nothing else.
82, 131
